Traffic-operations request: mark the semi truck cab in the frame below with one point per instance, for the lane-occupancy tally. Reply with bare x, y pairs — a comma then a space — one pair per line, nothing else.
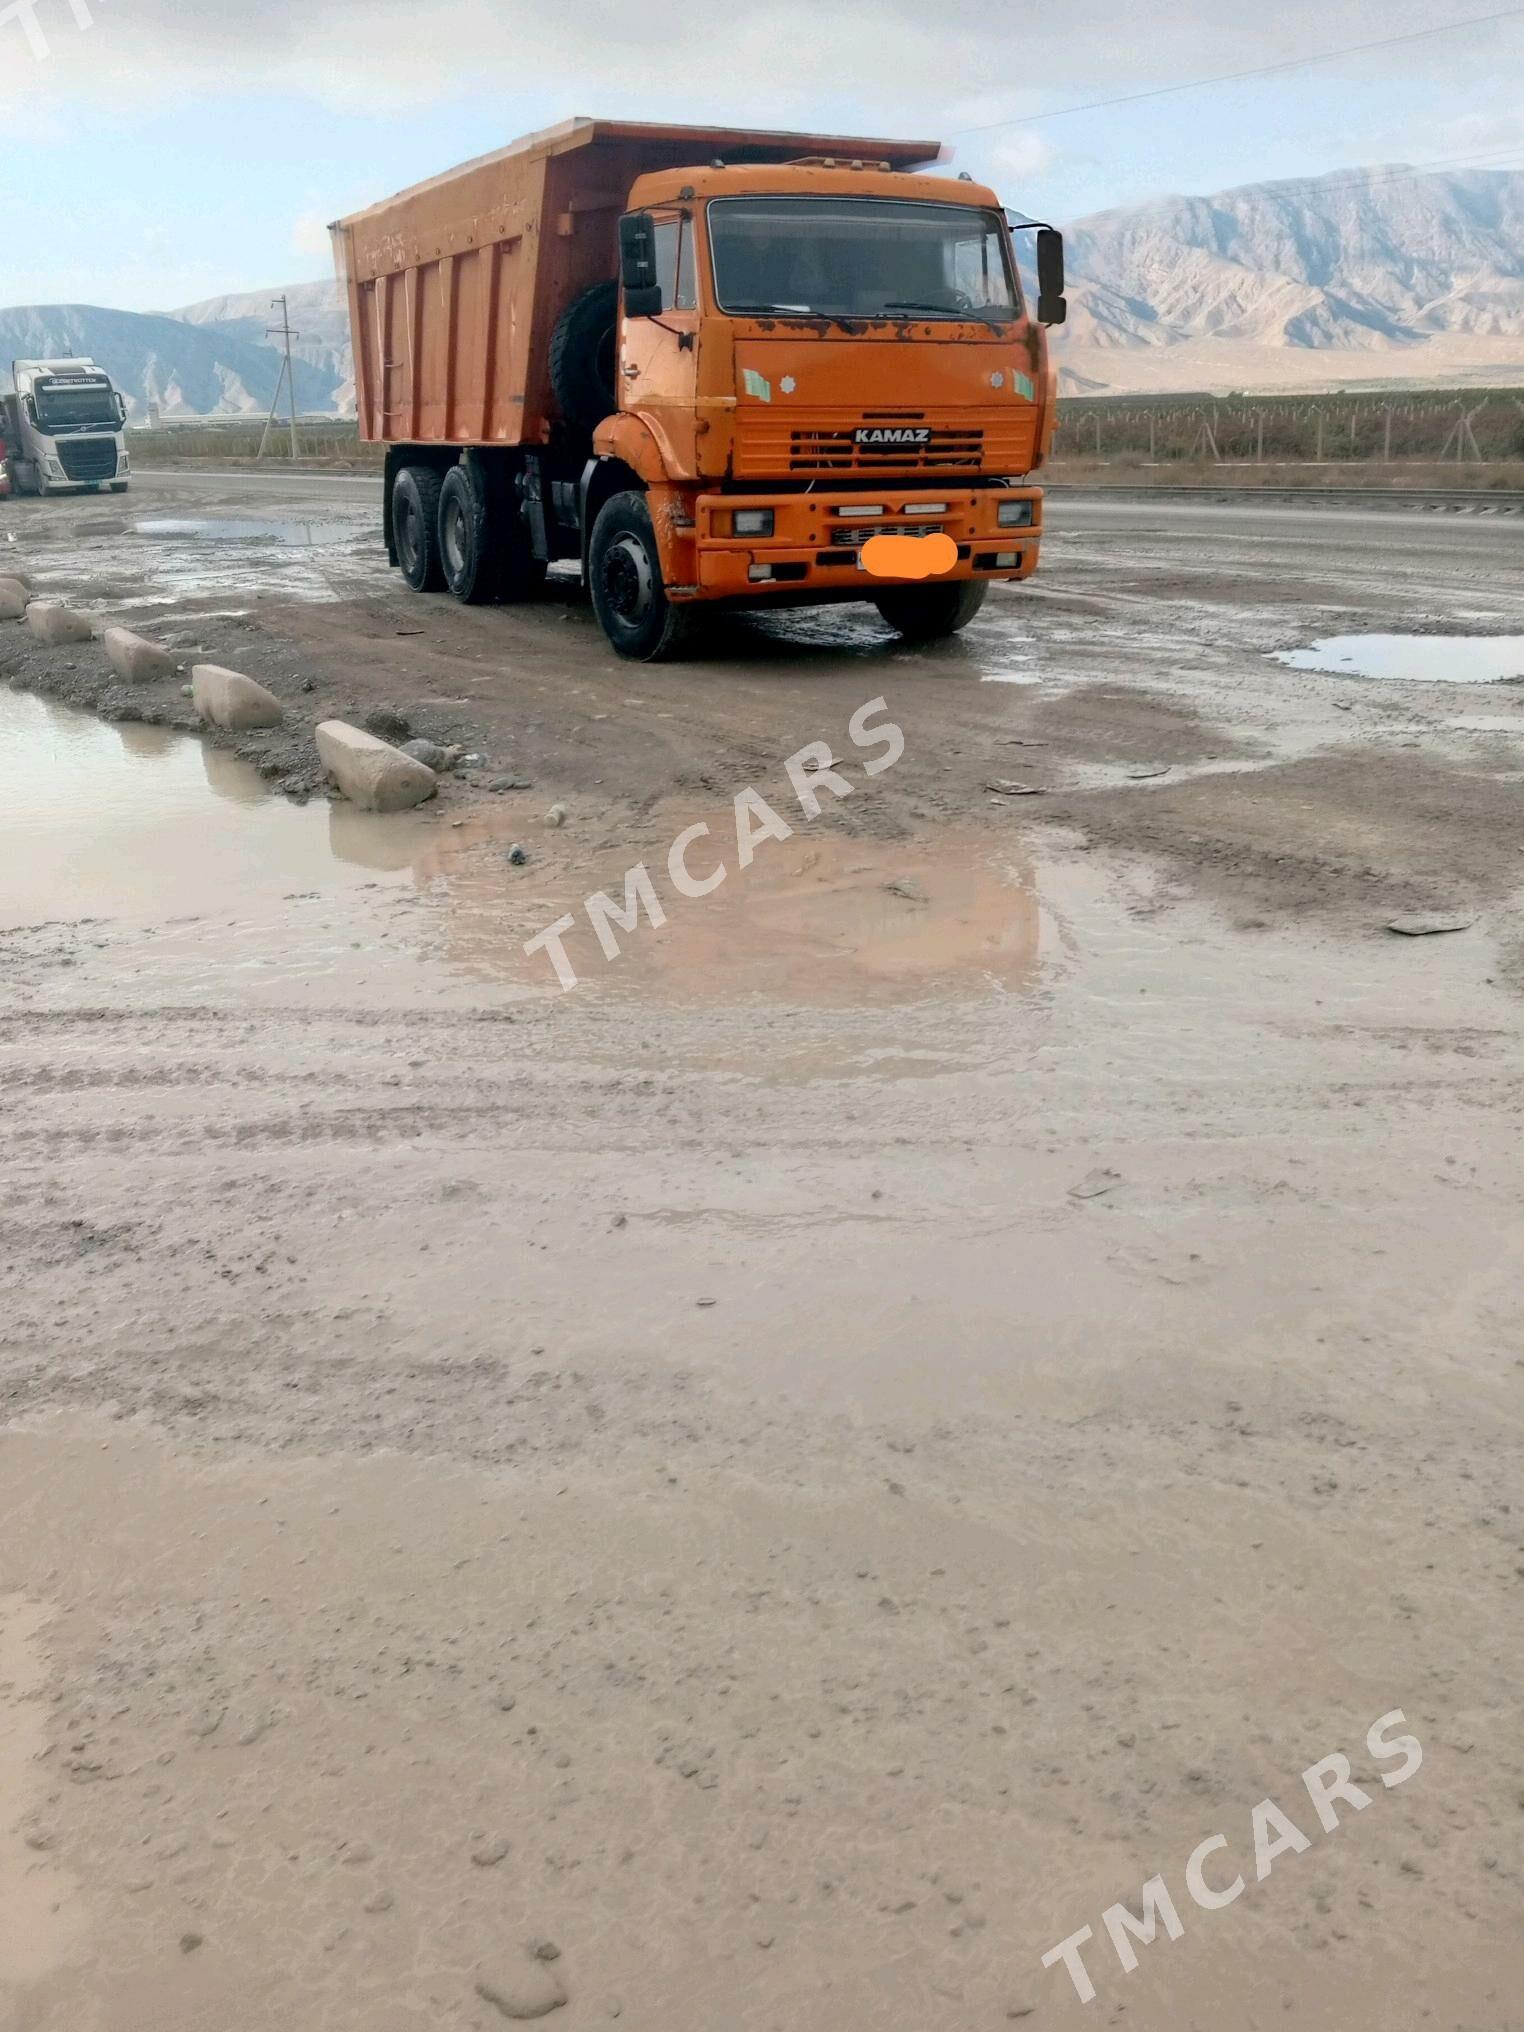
68, 422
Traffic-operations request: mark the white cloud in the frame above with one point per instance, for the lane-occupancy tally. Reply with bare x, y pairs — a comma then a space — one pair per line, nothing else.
951, 63
1024, 152
309, 233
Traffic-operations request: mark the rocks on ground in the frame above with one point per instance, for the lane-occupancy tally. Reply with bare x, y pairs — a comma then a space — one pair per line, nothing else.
388, 723
370, 772
52, 622
432, 754
531, 1991
229, 699
136, 658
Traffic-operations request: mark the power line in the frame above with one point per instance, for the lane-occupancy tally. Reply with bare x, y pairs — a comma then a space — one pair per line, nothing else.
1233, 77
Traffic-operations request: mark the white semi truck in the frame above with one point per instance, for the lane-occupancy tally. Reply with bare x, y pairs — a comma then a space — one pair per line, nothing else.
63, 428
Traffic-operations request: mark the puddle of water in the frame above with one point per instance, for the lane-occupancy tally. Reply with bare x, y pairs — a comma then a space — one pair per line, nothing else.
134, 821
1414, 659
36, 1924
263, 529
819, 919
141, 824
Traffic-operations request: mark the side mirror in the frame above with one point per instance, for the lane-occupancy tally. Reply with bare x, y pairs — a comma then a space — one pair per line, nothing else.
1051, 307
637, 265
121, 409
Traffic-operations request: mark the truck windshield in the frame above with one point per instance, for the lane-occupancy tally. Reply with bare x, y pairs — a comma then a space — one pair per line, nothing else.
863, 257
75, 405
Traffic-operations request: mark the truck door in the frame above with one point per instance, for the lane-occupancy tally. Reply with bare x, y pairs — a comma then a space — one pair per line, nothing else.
658, 356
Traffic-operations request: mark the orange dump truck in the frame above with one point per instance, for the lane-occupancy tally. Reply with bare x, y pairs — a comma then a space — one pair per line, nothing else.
709, 364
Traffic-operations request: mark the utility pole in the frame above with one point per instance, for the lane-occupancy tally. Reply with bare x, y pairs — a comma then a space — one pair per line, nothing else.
284, 332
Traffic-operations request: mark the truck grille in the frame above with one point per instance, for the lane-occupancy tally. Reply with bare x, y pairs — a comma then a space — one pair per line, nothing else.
836, 451
770, 445
859, 534
88, 458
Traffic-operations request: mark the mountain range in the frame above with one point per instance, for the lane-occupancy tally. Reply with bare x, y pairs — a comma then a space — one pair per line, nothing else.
181, 367
1360, 276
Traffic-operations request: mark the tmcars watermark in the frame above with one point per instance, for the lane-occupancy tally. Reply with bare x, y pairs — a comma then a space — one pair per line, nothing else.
1272, 1833
811, 770
25, 15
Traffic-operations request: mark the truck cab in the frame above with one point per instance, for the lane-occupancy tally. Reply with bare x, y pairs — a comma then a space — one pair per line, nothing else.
68, 424
815, 356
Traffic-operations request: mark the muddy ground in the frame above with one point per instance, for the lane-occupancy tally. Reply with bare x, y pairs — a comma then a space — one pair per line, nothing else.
768, 1490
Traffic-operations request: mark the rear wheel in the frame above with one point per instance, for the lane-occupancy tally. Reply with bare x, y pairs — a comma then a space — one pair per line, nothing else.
465, 553
931, 612
624, 581
484, 546
415, 527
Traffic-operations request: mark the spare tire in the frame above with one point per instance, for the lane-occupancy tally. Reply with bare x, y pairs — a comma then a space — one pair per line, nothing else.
582, 356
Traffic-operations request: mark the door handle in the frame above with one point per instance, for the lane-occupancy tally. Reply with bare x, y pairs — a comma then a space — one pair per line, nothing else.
629, 370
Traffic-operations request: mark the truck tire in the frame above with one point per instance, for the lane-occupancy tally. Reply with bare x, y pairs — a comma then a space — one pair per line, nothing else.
931, 612
582, 356
624, 582
118, 486
484, 548
465, 548
415, 527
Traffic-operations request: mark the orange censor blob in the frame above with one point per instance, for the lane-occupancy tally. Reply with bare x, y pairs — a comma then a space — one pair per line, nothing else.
909, 557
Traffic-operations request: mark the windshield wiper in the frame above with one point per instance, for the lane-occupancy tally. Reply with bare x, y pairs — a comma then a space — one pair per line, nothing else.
945, 310
780, 309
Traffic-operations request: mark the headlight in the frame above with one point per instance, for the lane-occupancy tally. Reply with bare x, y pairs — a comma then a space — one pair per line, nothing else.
55, 468
1014, 515
753, 522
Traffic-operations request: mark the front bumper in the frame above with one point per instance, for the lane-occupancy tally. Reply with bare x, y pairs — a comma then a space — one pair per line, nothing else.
816, 539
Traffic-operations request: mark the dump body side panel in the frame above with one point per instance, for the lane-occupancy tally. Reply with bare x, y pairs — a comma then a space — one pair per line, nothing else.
442, 286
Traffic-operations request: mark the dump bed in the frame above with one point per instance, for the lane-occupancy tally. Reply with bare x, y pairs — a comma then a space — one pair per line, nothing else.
455, 286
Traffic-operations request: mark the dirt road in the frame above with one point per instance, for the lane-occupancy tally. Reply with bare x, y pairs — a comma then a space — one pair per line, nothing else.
767, 1490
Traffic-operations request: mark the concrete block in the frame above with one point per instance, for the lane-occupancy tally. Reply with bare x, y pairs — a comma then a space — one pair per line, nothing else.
52, 622
229, 699
135, 658
371, 773
13, 599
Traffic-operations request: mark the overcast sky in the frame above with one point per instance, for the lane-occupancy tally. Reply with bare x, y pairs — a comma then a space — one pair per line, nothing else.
174, 149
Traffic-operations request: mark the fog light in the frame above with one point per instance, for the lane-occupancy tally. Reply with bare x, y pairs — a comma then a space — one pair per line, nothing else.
753, 522
926, 507
1004, 559
1014, 515
856, 508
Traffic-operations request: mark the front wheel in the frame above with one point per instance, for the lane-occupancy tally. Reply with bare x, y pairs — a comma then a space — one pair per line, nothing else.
624, 581
932, 612
118, 486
